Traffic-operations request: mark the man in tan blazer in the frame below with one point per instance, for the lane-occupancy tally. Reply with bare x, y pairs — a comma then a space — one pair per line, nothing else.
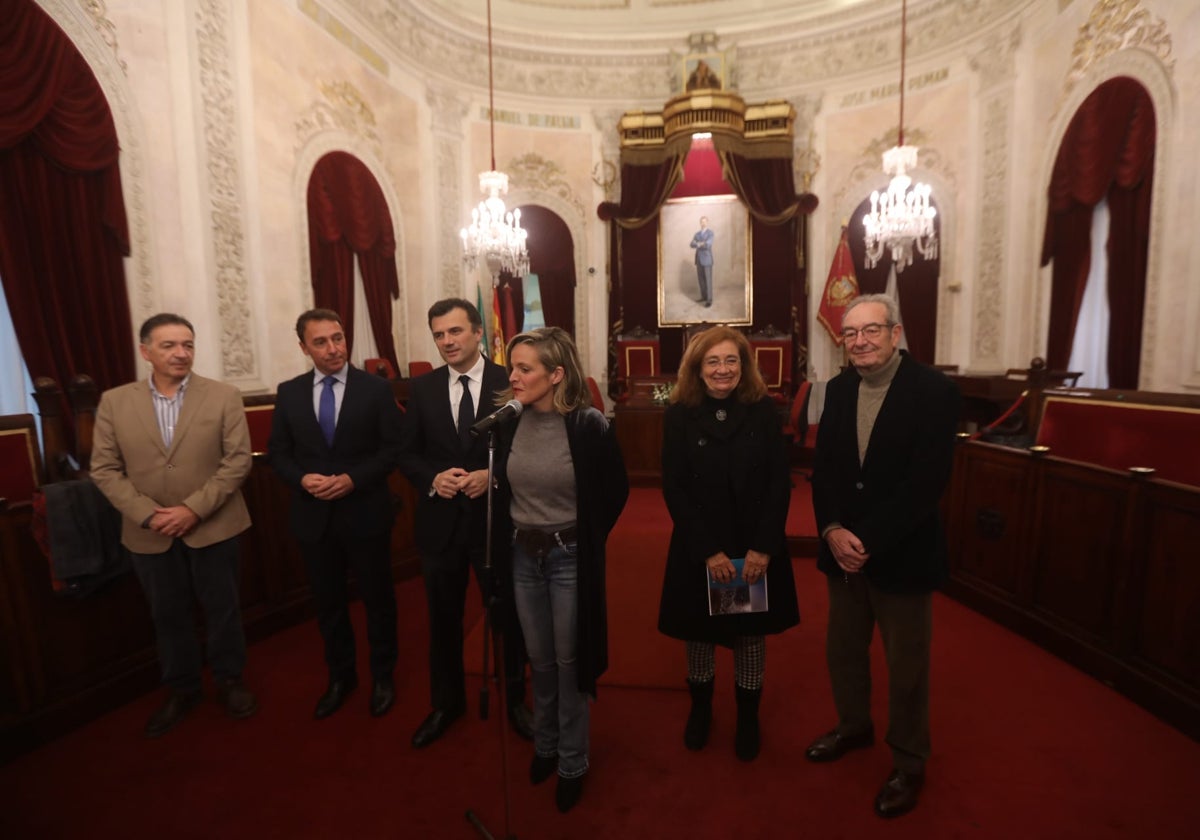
171, 452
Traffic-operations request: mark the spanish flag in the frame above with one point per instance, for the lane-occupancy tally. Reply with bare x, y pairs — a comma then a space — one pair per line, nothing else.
496, 330
840, 288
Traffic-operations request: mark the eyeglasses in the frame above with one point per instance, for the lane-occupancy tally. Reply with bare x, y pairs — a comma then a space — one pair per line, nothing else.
871, 331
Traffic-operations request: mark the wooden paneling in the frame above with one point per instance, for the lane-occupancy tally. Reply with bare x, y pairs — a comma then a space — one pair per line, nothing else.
1096, 565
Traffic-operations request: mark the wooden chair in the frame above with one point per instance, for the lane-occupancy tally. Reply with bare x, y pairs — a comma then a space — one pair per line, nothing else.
638, 355
260, 413
21, 471
796, 428
597, 397
380, 367
773, 356
418, 368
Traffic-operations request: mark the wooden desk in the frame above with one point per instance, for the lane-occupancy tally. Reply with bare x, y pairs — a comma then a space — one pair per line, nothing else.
639, 424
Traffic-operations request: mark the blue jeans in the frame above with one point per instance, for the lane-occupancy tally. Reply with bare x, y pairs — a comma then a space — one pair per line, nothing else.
545, 593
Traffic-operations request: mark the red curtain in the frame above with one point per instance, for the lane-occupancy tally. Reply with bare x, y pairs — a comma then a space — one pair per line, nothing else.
1107, 152
347, 218
645, 186
63, 231
916, 286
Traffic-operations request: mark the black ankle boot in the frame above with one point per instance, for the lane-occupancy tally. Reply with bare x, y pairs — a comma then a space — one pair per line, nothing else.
746, 741
695, 734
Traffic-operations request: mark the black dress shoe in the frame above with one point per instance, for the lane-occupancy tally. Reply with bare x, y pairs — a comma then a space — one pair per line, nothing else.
239, 701
383, 695
541, 768
521, 719
899, 793
433, 727
567, 793
831, 746
171, 713
335, 695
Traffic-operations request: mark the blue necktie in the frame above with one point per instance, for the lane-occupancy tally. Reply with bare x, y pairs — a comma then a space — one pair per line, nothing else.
327, 412
466, 413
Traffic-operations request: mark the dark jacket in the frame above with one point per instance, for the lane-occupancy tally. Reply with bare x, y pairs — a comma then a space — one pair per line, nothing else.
364, 447
727, 487
429, 444
891, 501
601, 488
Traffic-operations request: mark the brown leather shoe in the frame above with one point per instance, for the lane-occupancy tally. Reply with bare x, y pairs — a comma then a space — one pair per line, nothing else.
171, 713
831, 746
239, 701
899, 793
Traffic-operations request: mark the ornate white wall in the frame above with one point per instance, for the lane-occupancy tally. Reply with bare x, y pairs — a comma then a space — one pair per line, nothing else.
222, 107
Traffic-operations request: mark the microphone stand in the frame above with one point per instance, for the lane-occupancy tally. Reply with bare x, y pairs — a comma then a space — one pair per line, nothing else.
489, 618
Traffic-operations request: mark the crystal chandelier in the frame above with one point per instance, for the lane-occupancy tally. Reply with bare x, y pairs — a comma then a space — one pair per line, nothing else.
901, 219
495, 235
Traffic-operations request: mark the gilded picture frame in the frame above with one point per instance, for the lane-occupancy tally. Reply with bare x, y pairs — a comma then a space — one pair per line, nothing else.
681, 298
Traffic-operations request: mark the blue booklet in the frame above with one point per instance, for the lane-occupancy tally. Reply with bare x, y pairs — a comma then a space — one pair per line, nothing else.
737, 596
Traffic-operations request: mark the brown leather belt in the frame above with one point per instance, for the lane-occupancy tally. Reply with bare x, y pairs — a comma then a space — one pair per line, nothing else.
538, 544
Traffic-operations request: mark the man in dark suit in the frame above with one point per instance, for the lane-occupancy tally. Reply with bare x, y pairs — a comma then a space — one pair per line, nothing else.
448, 468
702, 242
883, 459
171, 452
334, 440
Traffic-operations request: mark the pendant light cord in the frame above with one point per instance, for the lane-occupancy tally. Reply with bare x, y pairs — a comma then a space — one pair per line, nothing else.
492, 91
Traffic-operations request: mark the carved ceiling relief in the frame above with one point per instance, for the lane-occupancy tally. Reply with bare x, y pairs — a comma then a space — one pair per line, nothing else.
97, 12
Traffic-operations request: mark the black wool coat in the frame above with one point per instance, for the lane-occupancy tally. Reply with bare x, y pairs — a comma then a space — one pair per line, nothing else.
727, 487
601, 489
891, 501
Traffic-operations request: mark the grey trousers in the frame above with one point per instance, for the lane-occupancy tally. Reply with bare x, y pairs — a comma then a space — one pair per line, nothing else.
905, 624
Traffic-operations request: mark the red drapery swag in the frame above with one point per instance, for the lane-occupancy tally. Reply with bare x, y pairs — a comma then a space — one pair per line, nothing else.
63, 231
1107, 152
347, 218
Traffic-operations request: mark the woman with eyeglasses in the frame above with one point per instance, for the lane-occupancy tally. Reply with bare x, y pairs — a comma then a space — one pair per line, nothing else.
727, 487
562, 483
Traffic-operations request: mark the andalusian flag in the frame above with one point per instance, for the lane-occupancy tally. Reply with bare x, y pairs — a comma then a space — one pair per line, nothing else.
497, 330
841, 287
483, 317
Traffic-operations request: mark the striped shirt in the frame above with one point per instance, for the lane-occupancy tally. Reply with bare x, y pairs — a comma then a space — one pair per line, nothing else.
166, 409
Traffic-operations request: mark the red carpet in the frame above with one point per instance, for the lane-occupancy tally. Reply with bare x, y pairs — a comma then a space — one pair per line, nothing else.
1024, 746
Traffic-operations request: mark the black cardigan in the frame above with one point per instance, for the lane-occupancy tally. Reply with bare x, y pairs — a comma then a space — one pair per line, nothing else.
601, 488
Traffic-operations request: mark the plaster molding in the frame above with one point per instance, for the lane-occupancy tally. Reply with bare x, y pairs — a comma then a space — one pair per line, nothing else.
226, 192
97, 10
341, 108
448, 112
1113, 26
80, 25
600, 68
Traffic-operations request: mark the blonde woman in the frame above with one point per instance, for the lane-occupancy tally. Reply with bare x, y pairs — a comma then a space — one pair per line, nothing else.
562, 482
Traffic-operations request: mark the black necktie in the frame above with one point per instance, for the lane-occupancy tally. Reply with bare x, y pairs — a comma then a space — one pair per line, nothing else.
466, 413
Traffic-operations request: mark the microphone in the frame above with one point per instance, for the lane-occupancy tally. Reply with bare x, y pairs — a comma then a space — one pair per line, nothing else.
512, 408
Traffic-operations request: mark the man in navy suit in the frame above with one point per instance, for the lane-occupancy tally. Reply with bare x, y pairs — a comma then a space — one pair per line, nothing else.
448, 468
702, 242
334, 439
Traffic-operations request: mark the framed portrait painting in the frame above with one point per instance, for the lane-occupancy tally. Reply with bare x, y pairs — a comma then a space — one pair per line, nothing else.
704, 262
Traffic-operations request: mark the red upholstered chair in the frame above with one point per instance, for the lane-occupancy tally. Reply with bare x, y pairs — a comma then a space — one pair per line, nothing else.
20, 458
597, 397
638, 355
417, 368
379, 367
797, 424
773, 355
260, 411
